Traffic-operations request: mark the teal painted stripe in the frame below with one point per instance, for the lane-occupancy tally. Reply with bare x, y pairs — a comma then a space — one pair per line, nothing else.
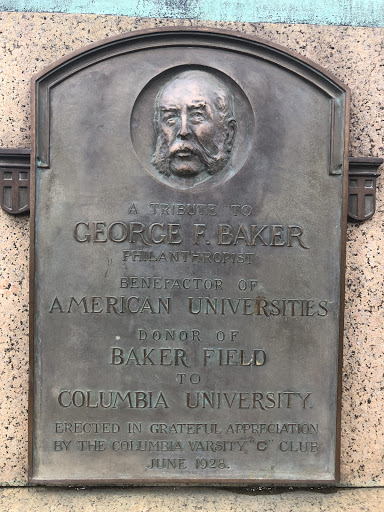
368, 13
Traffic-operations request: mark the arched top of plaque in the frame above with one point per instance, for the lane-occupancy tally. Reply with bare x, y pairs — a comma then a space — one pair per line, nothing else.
195, 50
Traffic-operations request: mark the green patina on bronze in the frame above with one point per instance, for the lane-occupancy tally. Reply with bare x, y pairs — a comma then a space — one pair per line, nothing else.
368, 13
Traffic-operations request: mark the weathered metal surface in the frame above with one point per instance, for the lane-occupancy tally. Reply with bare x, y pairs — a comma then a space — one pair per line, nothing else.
363, 174
188, 227
14, 179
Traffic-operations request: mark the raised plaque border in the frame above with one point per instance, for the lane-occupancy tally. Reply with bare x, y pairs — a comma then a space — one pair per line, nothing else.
235, 41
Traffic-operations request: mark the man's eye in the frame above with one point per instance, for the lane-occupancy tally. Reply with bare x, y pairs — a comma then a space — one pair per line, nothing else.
197, 117
169, 119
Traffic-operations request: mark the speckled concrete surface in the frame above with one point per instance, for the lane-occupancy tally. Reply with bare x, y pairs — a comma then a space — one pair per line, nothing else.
31, 41
189, 500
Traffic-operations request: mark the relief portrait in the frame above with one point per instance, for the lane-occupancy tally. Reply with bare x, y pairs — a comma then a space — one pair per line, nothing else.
195, 128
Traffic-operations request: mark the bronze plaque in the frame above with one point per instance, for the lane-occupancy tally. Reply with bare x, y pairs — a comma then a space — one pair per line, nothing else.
188, 258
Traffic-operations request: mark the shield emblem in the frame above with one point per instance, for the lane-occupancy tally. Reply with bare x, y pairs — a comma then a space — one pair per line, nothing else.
14, 179
362, 187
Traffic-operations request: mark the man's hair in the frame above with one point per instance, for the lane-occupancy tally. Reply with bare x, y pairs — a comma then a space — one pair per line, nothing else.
223, 101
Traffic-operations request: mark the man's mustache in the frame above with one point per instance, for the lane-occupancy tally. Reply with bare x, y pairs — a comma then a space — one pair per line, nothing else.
214, 158
181, 147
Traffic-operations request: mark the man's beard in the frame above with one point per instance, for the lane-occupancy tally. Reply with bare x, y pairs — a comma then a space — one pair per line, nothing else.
212, 161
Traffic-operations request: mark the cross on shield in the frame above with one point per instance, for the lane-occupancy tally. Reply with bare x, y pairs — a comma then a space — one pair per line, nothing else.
14, 180
362, 187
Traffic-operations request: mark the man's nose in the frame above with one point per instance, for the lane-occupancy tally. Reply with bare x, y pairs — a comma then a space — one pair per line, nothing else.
184, 130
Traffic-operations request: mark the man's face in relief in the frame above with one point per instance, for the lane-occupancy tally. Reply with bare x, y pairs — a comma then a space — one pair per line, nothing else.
195, 126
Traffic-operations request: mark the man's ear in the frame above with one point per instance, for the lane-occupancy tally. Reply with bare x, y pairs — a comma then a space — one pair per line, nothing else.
231, 132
